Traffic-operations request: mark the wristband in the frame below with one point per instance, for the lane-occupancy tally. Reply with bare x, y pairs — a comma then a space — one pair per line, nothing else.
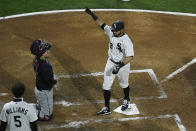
102, 26
94, 16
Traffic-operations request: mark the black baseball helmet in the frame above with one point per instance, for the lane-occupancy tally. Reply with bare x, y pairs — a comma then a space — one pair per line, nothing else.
117, 26
39, 47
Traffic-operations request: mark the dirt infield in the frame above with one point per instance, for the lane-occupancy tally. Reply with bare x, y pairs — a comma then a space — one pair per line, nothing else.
163, 43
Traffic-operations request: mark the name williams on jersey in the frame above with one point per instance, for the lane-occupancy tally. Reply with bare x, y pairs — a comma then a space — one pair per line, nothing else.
16, 110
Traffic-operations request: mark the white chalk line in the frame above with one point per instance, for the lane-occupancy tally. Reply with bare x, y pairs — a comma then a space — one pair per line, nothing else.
156, 81
179, 122
179, 70
149, 71
82, 10
3, 94
68, 104
79, 75
97, 74
78, 124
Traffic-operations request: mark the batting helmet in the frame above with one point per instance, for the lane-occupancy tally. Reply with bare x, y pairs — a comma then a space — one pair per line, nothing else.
117, 26
39, 47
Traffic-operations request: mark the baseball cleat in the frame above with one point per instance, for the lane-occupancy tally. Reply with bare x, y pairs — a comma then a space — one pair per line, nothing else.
125, 104
104, 111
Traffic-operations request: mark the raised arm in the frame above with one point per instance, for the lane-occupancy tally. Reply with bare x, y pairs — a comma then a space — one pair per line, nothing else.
97, 20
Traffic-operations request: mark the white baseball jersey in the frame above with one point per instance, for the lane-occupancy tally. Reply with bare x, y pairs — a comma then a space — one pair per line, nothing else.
119, 47
18, 115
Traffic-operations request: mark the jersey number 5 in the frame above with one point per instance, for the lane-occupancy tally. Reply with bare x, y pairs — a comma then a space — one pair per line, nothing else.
17, 121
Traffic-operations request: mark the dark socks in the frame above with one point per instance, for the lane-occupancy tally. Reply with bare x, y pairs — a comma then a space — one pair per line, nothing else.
107, 94
126, 93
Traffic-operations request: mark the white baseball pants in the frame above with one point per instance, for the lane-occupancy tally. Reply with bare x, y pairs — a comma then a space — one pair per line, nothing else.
45, 101
123, 75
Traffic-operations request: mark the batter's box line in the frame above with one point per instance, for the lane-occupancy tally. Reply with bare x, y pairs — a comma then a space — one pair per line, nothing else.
149, 71
4, 94
67, 104
78, 124
193, 61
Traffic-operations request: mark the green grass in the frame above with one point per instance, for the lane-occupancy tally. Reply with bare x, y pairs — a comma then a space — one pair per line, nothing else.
11, 7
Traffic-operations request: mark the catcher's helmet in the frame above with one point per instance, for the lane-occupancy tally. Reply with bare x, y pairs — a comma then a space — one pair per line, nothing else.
117, 26
39, 47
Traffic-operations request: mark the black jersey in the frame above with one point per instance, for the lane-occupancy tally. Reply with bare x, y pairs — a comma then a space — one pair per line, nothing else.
44, 74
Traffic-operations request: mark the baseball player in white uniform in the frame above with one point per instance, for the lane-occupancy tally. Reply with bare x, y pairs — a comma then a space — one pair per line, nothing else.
120, 54
18, 114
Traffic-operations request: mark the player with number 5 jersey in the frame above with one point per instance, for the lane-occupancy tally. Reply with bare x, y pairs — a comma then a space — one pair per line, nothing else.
18, 114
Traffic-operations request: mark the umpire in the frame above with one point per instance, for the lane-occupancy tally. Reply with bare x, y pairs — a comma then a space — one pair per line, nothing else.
44, 78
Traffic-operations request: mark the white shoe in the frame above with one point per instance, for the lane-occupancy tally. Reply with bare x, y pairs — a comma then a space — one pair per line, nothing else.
125, 104
104, 111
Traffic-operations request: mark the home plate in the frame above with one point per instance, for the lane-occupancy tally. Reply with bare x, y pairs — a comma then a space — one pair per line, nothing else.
132, 110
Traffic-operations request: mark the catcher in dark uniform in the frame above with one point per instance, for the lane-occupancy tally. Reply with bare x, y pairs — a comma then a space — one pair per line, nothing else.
44, 78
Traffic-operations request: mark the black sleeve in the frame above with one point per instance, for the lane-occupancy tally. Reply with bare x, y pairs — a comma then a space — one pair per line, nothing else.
33, 126
103, 25
88, 11
3, 126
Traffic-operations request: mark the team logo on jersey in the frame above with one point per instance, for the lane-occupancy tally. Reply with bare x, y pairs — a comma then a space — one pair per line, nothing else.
119, 47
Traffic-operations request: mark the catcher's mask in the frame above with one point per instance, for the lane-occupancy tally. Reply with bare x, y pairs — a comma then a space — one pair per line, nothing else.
39, 47
117, 26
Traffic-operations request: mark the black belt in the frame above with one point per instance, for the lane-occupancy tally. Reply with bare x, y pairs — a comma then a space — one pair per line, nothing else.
117, 63
43, 89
